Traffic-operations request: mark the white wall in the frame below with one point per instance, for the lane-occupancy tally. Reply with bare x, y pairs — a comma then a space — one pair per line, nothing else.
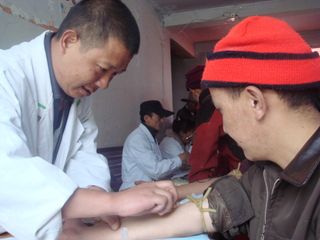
147, 77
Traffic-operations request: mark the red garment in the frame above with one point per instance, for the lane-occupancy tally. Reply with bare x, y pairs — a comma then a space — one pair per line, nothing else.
232, 63
210, 157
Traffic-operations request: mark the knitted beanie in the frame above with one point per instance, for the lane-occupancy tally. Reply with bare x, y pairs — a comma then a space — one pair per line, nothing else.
194, 77
262, 51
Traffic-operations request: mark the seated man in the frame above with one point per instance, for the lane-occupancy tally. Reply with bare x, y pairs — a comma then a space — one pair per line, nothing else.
141, 156
265, 89
178, 140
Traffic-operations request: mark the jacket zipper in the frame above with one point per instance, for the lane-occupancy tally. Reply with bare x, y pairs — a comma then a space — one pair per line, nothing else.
267, 201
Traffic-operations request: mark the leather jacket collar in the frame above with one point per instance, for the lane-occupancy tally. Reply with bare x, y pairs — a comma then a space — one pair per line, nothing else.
300, 170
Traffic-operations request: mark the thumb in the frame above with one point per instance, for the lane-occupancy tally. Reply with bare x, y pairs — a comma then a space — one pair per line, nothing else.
113, 221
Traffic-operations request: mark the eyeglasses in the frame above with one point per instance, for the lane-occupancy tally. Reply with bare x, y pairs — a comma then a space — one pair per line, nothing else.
188, 138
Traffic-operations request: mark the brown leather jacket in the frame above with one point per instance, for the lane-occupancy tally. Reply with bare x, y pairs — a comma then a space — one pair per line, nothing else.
270, 203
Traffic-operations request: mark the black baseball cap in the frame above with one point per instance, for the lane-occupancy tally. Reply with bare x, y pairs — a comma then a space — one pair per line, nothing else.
154, 106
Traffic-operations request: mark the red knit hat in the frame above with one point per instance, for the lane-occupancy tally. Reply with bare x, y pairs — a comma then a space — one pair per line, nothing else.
262, 51
194, 77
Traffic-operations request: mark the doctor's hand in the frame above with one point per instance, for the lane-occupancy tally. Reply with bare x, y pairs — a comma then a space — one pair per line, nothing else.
146, 198
112, 221
184, 160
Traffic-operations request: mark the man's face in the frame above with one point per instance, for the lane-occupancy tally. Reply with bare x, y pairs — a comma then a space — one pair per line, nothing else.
195, 93
85, 71
237, 120
153, 120
186, 137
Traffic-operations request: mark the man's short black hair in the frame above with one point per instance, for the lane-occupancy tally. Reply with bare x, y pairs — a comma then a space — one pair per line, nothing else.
182, 125
95, 21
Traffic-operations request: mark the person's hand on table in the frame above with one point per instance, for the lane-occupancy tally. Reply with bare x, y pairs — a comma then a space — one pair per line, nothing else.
185, 160
184, 157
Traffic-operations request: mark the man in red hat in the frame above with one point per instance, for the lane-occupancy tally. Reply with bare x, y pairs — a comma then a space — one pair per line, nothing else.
264, 79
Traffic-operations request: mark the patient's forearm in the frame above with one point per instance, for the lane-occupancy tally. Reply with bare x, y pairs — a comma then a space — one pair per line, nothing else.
186, 220
194, 187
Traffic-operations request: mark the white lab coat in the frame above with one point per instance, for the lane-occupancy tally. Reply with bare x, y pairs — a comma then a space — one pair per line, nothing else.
33, 190
142, 159
171, 146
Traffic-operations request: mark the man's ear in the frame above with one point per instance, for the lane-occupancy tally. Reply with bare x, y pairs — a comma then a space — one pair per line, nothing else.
68, 38
146, 118
256, 101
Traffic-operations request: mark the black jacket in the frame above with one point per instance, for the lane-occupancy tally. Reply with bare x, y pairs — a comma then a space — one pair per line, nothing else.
270, 203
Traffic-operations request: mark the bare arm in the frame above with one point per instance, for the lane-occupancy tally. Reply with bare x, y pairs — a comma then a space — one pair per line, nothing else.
200, 186
227, 197
186, 220
195, 187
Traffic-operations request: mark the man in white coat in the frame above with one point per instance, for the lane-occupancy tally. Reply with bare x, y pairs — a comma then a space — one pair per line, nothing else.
141, 156
50, 170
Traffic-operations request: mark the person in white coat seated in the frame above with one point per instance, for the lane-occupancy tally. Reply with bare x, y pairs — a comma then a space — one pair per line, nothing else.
49, 167
141, 157
178, 139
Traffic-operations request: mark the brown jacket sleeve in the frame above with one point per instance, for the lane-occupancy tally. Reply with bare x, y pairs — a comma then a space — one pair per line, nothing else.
232, 205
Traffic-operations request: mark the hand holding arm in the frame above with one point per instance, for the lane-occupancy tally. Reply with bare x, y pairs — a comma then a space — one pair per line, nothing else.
153, 197
112, 221
186, 220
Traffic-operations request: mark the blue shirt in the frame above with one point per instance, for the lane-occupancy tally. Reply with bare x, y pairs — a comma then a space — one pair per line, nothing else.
61, 101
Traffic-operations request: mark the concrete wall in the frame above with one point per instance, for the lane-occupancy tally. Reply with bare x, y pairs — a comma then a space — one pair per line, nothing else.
14, 30
147, 77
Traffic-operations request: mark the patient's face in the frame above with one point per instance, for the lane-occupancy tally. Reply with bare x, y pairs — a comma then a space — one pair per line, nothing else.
237, 121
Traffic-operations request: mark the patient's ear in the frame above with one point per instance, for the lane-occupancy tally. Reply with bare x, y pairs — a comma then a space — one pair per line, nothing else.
256, 101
